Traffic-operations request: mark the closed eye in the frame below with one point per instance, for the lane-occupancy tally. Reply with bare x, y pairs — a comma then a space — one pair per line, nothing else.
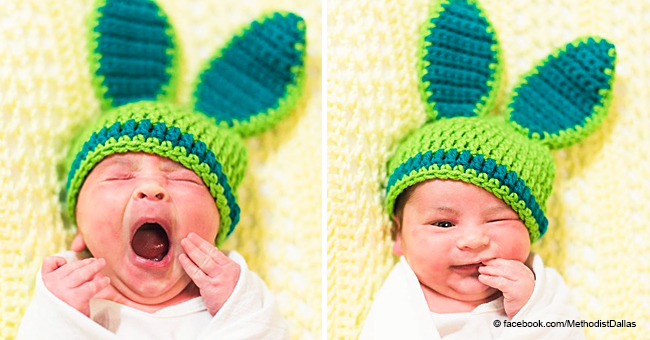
119, 178
502, 220
187, 180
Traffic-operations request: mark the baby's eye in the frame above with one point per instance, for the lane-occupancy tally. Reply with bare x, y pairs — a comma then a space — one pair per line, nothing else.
502, 219
119, 177
183, 179
443, 224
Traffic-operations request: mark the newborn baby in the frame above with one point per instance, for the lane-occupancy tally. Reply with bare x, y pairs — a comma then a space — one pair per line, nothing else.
465, 262
152, 185
146, 221
466, 246
467, 190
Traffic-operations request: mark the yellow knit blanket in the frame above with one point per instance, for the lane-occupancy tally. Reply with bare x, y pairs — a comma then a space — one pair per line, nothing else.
598, 237
46, 92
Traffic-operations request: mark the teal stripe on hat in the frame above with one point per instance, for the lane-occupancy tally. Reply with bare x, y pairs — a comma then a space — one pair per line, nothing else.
163, 133
481, 165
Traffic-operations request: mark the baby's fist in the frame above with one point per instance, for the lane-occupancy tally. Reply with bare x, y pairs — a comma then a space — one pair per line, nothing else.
74, 283
513, 279
213, 272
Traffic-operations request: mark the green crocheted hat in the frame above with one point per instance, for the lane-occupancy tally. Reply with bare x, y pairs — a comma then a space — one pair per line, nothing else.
558, 103
245, 88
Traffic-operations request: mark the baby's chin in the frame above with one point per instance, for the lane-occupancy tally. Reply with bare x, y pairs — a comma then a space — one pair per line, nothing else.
151, 290
469, 288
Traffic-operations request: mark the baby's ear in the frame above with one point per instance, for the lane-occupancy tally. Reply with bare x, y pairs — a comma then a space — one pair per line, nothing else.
78, 244
133, 52
256, 79
397, 246
566, 96
458, 60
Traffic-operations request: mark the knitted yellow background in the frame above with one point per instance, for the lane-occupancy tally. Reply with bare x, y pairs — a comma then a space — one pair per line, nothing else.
45, 92
598, 237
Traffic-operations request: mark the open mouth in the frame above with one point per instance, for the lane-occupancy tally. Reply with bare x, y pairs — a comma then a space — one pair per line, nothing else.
151, 242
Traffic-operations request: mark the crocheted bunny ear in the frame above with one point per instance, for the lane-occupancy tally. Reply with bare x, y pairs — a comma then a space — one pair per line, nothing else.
133, 53
565, 97
257, 78
459, 60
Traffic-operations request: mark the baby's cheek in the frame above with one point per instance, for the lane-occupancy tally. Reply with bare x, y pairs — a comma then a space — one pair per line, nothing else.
420, 239
103, 227
198, 213
430, 249
514, 243
111, 204
99, 214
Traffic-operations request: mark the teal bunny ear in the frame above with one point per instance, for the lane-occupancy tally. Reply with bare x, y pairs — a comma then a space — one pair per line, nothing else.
133, 53
565, 97
459, 60
256, 79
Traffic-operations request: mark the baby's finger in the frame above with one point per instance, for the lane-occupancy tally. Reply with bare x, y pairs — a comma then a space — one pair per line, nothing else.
208, 248
85, 273
90, 288
73, 266
200, 258
497, 262
511, 270
52, 263
503, 271
497, 282
194, 272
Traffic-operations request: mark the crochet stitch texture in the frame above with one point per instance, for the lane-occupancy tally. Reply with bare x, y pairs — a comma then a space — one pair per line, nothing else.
556, 104
597, 236
217, 156
247, 87
48, 94
482, 151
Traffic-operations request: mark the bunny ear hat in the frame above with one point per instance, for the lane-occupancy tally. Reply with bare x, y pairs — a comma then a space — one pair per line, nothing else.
558, 103
248, 86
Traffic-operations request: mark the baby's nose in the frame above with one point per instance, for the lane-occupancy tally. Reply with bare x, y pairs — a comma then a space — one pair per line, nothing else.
150, 191
473, 240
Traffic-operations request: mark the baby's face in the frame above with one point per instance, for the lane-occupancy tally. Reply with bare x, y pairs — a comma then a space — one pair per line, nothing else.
449, 227
133, 210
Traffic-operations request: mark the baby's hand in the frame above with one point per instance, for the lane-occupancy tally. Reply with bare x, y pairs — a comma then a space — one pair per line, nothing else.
74, 283
513, 279
213, 272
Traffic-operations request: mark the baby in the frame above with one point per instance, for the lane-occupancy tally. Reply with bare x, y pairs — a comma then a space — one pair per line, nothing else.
141, 265
467, 190
152, 187
465, 262
466, 246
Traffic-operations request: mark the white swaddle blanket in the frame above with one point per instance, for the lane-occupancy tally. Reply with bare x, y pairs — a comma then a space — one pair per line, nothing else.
400, 311
249, 313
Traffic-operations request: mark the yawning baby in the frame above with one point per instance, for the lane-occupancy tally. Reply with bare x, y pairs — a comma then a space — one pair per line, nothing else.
152, 186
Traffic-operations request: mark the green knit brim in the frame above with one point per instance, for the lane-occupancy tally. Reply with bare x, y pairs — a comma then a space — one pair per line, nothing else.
470, 176
175, 143
484, 151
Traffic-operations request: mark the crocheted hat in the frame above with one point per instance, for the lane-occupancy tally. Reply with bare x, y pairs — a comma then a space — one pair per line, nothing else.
558, 103
246, 87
